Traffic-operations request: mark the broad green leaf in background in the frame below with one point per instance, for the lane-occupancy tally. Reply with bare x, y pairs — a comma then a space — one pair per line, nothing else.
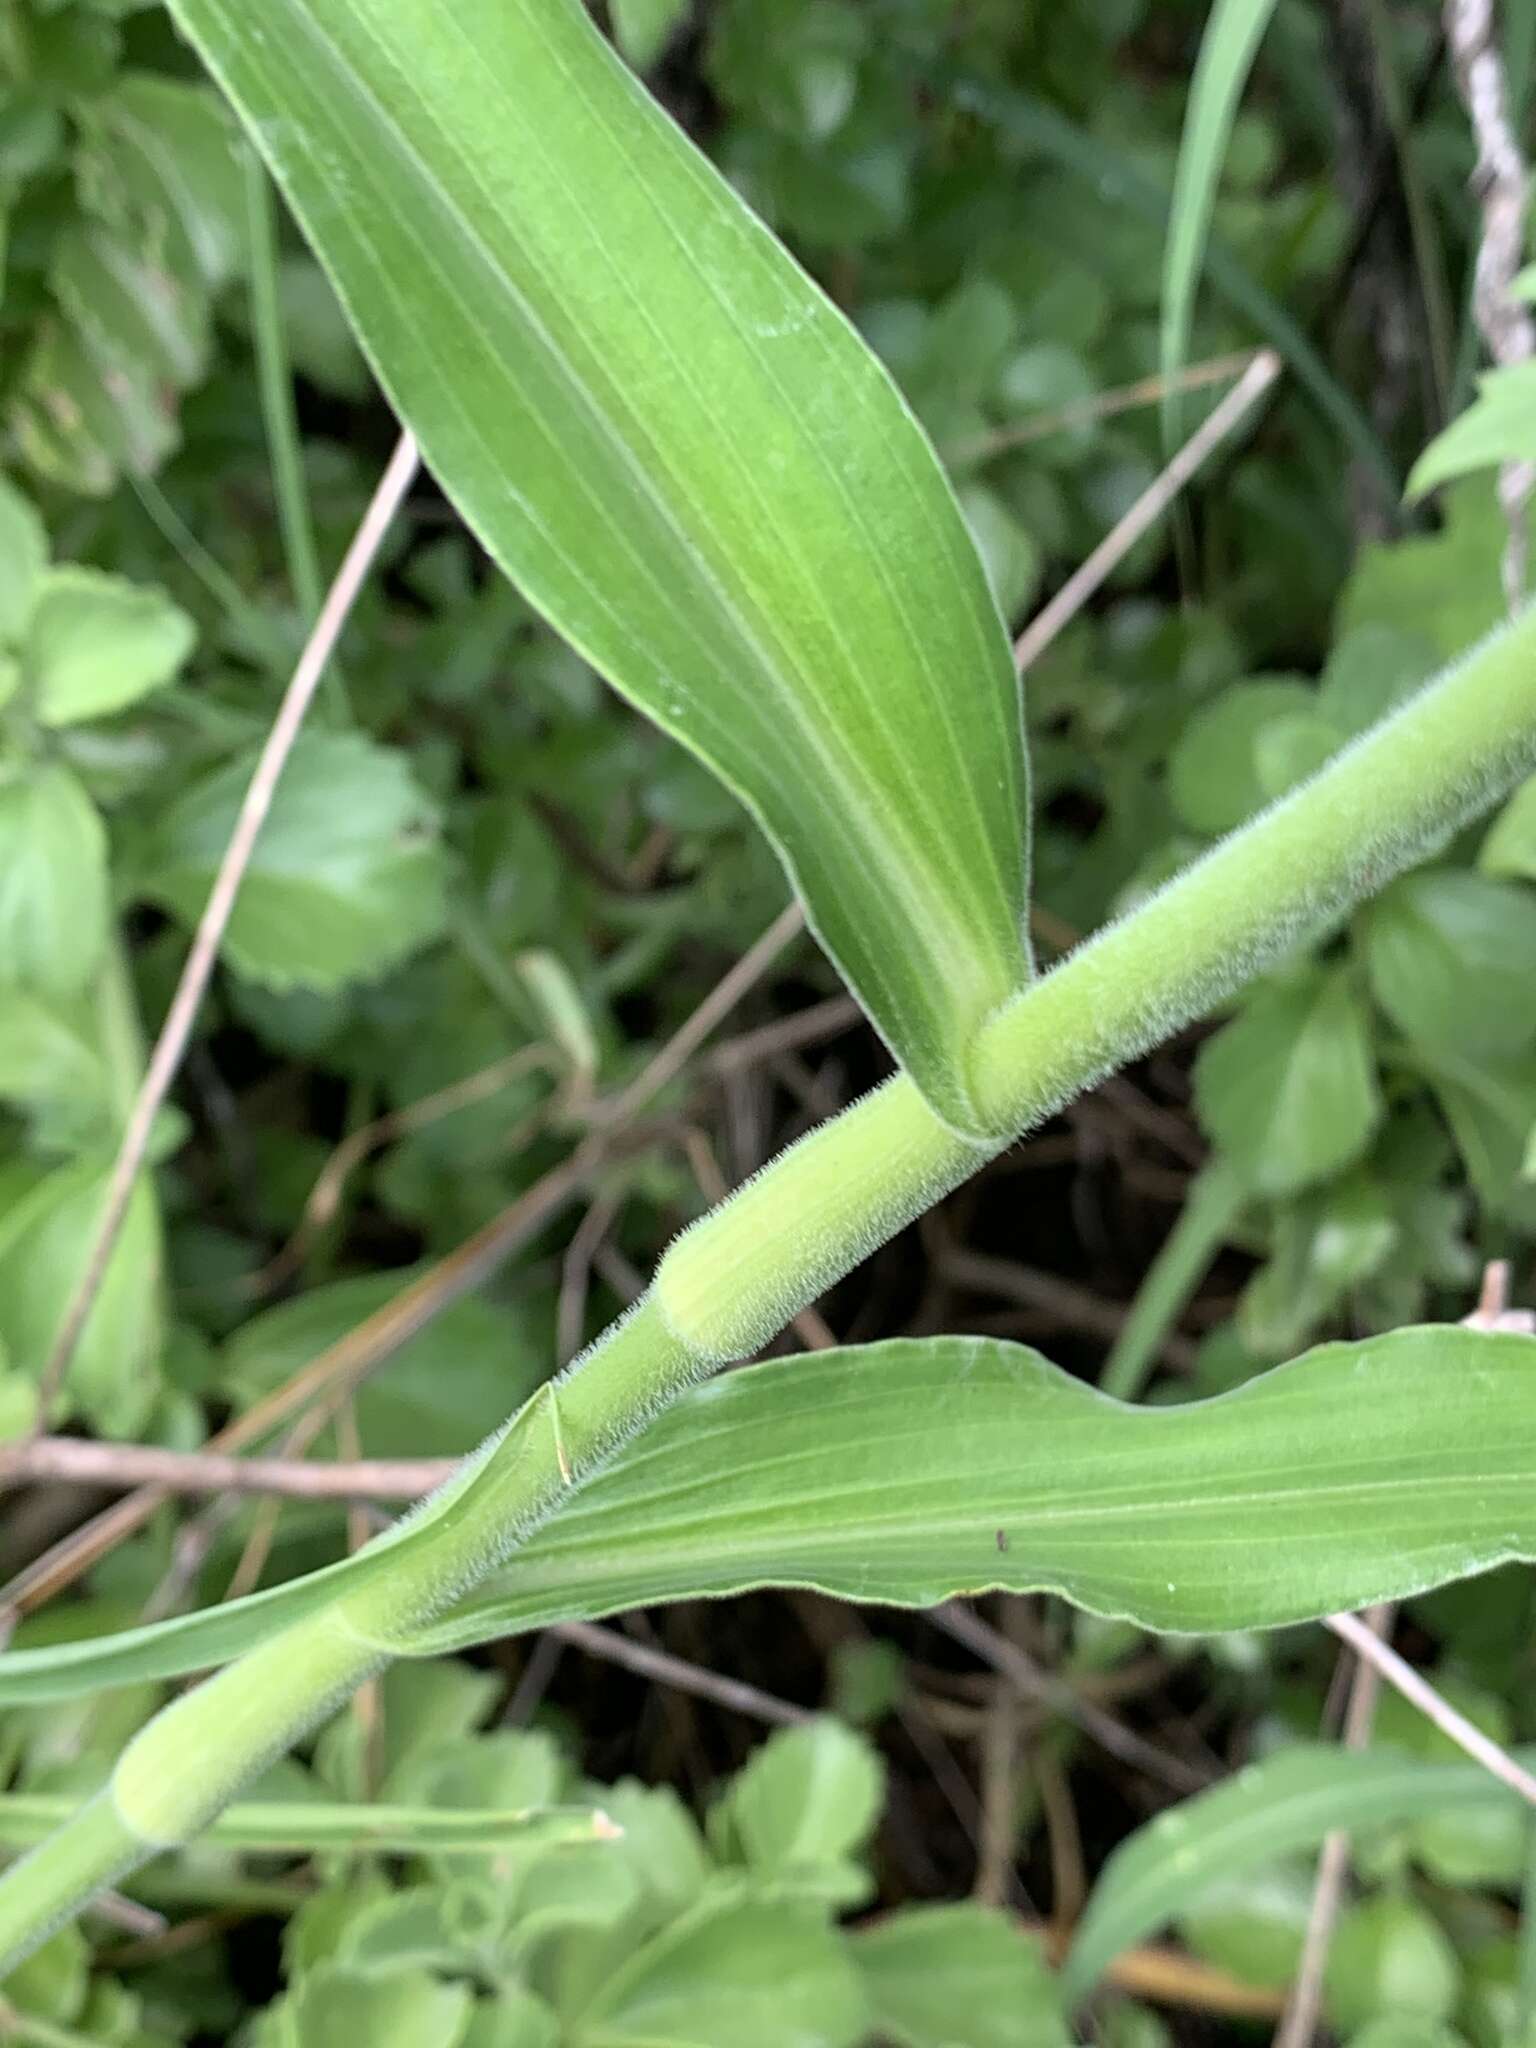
1490, 1105
1321, 1247
45, 1053
1498, 426
1389, 1956
45, 1234
910, 1471
1370, 671
50, 1063
97, 643
1510, 848
1452, 961
53, 881
446, 1387
681, 453
809, 1796
158, 231
1227, 50
643, 28
1441, 587
388, 2009
1269, 1810
23, 558
1214, 779
1288, 1089
958, 1977
757, 1972
348, 875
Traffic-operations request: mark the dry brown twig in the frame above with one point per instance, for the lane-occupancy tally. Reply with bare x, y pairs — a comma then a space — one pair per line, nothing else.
171, 1044
1147, 510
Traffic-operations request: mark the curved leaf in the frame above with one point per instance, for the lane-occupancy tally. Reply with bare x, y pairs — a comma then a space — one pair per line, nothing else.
681, 452
1227, 50
1289, 1802
911, 1471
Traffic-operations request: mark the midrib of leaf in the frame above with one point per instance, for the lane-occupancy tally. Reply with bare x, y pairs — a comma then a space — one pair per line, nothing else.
583, 392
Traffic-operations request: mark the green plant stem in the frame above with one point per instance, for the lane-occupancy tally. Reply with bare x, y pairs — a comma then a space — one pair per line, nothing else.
1214, 1202
738, 1275
274, 379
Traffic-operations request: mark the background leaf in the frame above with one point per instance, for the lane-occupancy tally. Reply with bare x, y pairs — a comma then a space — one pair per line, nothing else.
53, 881
958, 1977
681, 452
348, 875
45, 1233
755, 1971
23, 558
1269, 1810
1289, 1088
97, 643
1510, 848
1452, 959
808, 1798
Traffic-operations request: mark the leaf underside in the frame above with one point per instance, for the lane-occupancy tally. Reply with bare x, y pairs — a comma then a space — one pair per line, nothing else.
908, 1472
680, 451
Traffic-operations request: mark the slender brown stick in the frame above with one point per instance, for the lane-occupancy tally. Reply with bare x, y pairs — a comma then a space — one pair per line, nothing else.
1418, 1691
1102, 405
325, 1196
195, 975
786, 1034
665, 1669
1305, 2002
199, 1472
1147, 510
716, 1006
994, 1648
341, 1365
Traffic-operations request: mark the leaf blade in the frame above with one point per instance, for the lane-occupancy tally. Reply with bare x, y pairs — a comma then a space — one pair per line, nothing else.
888, 1472
683, 455
1227, 50
1285, 1803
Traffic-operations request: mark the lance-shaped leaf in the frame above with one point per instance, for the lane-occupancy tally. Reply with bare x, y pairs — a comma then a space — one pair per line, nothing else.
911, 1471
1272, 1809
680, 451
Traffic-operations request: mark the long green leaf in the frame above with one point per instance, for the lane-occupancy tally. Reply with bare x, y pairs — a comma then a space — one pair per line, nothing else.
302, 1825
911, 1471
1227, 50
683, 454
1271, 1809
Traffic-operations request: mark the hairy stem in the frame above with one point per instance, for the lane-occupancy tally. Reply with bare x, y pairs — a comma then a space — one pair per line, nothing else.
738, 1275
